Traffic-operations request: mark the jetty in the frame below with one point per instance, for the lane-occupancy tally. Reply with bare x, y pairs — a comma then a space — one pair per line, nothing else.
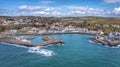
48, 41
105, 42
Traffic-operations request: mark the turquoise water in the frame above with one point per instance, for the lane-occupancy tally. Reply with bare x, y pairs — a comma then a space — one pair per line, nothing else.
78, 51
37, 39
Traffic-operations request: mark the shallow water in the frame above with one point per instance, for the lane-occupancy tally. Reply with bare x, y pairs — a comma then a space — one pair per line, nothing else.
37, 39
78, 51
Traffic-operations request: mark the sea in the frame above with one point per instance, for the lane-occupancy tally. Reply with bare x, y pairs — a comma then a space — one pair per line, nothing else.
77, 51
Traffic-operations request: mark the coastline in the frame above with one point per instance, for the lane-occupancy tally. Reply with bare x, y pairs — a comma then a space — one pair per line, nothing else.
51, 33
25, 42
103, 42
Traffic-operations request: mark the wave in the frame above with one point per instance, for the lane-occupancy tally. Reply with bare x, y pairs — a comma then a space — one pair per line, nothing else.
118, 46
41, 51
38, 50
91, 41
13, 45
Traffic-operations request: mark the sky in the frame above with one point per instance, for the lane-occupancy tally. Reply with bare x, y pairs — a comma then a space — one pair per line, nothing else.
60, 8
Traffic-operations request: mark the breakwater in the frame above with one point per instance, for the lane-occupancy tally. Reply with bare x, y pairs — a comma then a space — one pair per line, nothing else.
105, 42
29, 44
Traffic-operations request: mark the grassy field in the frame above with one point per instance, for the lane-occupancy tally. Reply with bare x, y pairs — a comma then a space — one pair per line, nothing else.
98, 20
107, 21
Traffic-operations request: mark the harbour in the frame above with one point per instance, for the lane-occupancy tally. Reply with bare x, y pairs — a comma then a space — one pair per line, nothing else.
77, 51
27, 43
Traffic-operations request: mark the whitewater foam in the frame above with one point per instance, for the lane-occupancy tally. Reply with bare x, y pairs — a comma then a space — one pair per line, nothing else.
91, 41
118, 46
13, 45
39, 50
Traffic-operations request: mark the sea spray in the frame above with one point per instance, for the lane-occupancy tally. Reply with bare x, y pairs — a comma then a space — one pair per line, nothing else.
13, 45
91, 41
118, 46
39, 50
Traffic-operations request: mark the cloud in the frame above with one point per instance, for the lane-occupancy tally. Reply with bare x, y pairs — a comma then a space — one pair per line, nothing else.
25, 10
46, 13
4, 12
40, 10
87, 11
40, 13
116, 11
25, 7
112, 1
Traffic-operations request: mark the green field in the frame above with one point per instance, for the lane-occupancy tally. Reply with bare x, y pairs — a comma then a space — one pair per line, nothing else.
107, 20
98, 20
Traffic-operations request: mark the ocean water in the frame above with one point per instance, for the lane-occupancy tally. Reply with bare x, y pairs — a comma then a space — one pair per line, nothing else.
78, 51
37, 39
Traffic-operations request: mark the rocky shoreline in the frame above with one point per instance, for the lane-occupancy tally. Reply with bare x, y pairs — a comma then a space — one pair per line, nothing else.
105, 42
48, 40
25, 42
52, 33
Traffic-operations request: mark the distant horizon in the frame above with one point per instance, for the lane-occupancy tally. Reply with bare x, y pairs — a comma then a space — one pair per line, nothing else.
60, 8
63, 16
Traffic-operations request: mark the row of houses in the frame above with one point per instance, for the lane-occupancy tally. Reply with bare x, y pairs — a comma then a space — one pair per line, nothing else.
29, 30
114, 36
108, 25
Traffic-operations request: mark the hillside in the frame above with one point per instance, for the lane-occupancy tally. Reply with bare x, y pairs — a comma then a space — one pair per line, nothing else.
98, 20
